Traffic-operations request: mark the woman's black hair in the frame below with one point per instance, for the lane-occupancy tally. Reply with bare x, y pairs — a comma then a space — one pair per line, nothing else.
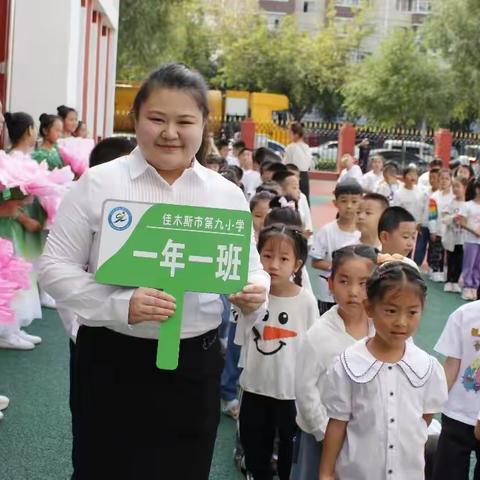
297, 129
300, 246
46, 122
63, 111
177, 76
472, 187
17, 124
349, 252
260, 197
392, 275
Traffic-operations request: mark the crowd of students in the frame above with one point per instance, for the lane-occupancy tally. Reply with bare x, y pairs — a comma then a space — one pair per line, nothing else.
318, 383
311, 387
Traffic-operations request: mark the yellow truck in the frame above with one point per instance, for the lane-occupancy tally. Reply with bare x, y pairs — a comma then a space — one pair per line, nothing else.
263, 108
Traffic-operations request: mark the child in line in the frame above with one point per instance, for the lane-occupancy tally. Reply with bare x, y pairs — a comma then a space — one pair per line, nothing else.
424, 180
460, 343
340, 327
270, 352
453, 236
303, 205
397, 231
390, 184
81, 130
251, 178
351, 171
371, 208
214, 162
430, 213
50, 131
334, 235
442, 198
282, 210
374, 176
382, 392
470, 221
24, 229
69, 118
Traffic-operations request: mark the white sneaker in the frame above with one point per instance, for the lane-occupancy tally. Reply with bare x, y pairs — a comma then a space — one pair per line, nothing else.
469, 294
47, 300
438, 277
448, 287
29, 338
231, 408
456, 288
4, 401
1, 415
14, 342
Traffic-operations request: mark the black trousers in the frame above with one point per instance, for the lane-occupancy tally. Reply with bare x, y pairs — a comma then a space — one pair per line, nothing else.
135, 421
436, 255
454, 264
260, 418
305, 185
455, 445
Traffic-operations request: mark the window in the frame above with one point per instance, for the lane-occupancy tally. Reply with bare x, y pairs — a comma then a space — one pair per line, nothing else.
414, 6
347, 3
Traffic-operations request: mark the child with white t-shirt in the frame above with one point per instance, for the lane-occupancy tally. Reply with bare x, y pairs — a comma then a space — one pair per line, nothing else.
270, 349
470, 221
382, 391
340, 327
374, 175
334, 235
371, 209
460, 343
441, 199
453, 235
390, 184
351, 171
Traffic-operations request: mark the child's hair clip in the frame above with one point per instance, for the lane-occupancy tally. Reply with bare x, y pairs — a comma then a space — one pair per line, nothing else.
284, 203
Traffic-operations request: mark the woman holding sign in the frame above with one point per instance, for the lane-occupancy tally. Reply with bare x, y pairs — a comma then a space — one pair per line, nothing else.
134, 420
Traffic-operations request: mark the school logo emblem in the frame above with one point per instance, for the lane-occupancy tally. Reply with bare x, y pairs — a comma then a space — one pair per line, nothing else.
120, 218
471, 377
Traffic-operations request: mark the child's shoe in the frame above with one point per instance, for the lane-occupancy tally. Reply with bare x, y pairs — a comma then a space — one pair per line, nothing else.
469, 294
231, 408
448, 287
438, 277
456, 288
29, 338
4, 401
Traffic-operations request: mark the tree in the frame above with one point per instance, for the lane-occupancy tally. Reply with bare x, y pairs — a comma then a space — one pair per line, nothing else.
452, 31
400, 85
152, 32
308, 69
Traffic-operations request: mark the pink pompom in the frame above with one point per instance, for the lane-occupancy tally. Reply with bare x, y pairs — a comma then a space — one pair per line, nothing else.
76, 152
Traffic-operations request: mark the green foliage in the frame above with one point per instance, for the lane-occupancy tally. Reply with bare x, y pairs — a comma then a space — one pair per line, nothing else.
400, 85
152, 32
310, 70
452, 31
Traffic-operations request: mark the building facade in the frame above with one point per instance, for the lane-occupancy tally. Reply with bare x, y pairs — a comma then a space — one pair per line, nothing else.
55, 52
383, 16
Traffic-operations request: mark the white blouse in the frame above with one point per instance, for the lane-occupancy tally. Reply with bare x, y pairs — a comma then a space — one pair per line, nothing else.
73, 243
384, 406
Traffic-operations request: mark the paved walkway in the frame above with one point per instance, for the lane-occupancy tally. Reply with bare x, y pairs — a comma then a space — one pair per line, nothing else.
35, 434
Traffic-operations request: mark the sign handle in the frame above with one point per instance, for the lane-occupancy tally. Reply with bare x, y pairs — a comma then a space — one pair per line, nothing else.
169, 336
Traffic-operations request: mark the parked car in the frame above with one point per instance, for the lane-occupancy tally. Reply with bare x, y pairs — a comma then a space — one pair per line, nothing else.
421, 149
402, 159
326, 153
277, 147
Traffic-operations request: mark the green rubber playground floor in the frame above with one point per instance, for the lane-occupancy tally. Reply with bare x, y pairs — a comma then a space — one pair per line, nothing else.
35, 433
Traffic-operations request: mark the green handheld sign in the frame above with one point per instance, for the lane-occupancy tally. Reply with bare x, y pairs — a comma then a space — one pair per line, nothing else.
175, 248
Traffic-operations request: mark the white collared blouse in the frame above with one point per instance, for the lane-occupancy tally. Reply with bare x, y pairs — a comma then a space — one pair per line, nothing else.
384, 406
73, 243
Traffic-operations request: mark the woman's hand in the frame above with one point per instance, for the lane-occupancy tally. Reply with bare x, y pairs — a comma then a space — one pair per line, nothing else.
149, 304
29, 223
250, 298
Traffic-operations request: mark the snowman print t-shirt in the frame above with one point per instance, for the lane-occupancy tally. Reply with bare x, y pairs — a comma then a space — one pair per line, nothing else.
461, 339
272, 344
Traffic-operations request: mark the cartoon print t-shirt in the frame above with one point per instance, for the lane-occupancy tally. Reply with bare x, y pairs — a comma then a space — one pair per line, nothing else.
461, 339
270, 351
